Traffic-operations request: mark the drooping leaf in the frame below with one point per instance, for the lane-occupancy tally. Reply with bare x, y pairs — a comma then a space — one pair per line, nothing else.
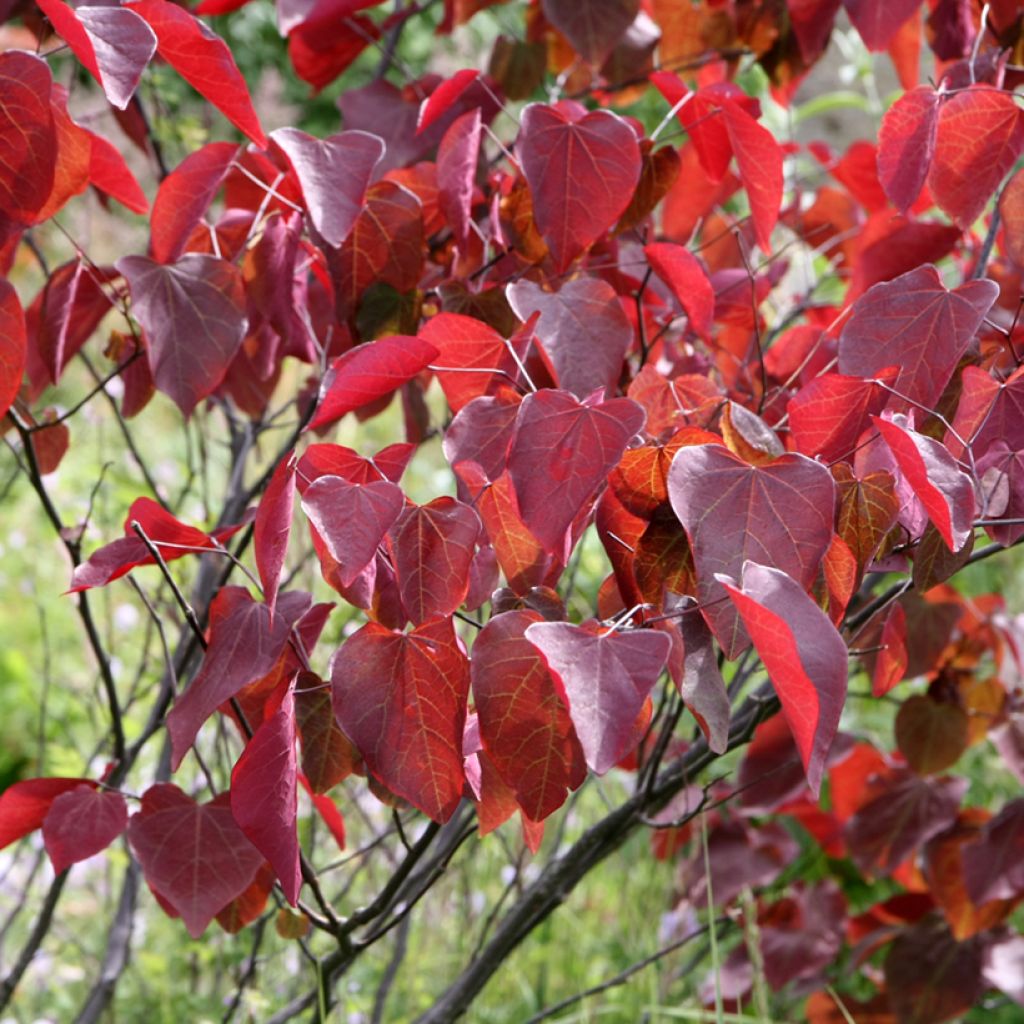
327, 753
877, 21
980, 135
28, 137
371, 371
25, 804
702, 686
581, 168
245, 643
192, 312
868, 508
930, 734
682, 272
891, 662
561, 453
994, 863
109, 173
273, 527
184, 197
203, 60
906, 145
264, 802
82, 822
208, 864
352, 519
759, 161
779, 514
12, 345
944, 489
592, 28
914, 323
334, 174
113, 43
524, 724
401, 699
583, 331
804, 655
432, 548
457, 158
607, 676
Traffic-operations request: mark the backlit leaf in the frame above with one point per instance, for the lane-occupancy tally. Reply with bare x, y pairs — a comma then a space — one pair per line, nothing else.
906, 145
12, 345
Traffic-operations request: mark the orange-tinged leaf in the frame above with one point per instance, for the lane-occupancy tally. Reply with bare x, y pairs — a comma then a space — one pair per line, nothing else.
327, 753
867, 510
28, 136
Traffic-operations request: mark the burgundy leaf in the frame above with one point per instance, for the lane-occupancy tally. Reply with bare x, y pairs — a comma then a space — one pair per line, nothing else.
334, 173
994, 863
273, 527
82, 822
877, 21
12, 345
914, 323
607, 677
352, 519
583, 331
192, 312
24, 805
702, 686
804, 655
401, 699
778, 514
524, 724
906, 145
203, 60
457, 158
184, 197
113, 43
592, 28
432, 549
245, 643
207, 865
582, 170
944, 489
562, 453
482, 433
371, 371
264, 802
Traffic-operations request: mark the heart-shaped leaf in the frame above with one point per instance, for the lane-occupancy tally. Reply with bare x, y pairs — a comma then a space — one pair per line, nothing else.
82, 822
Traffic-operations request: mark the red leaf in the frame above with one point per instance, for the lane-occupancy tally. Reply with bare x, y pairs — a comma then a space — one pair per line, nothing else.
906, 145
432, 550
581, 170
28, 138
466, 344
914, 323
439, 102
207, 865
108, 171
781, 512
980, 136
943, 488
891, 663
828, 416
244, 645
273, 527
192, 312
561, 454
12, 345
113, 43
334, 174
457, 158
583, 332
328, 755
804, 655
173, 538
264, 802
759, 160
204, 61
24, 805
371, 371
352, 519
607, 677
184, 197
683, 273
82, 822
524, 724
401, 699
1011, 207
877, 21
593, 28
